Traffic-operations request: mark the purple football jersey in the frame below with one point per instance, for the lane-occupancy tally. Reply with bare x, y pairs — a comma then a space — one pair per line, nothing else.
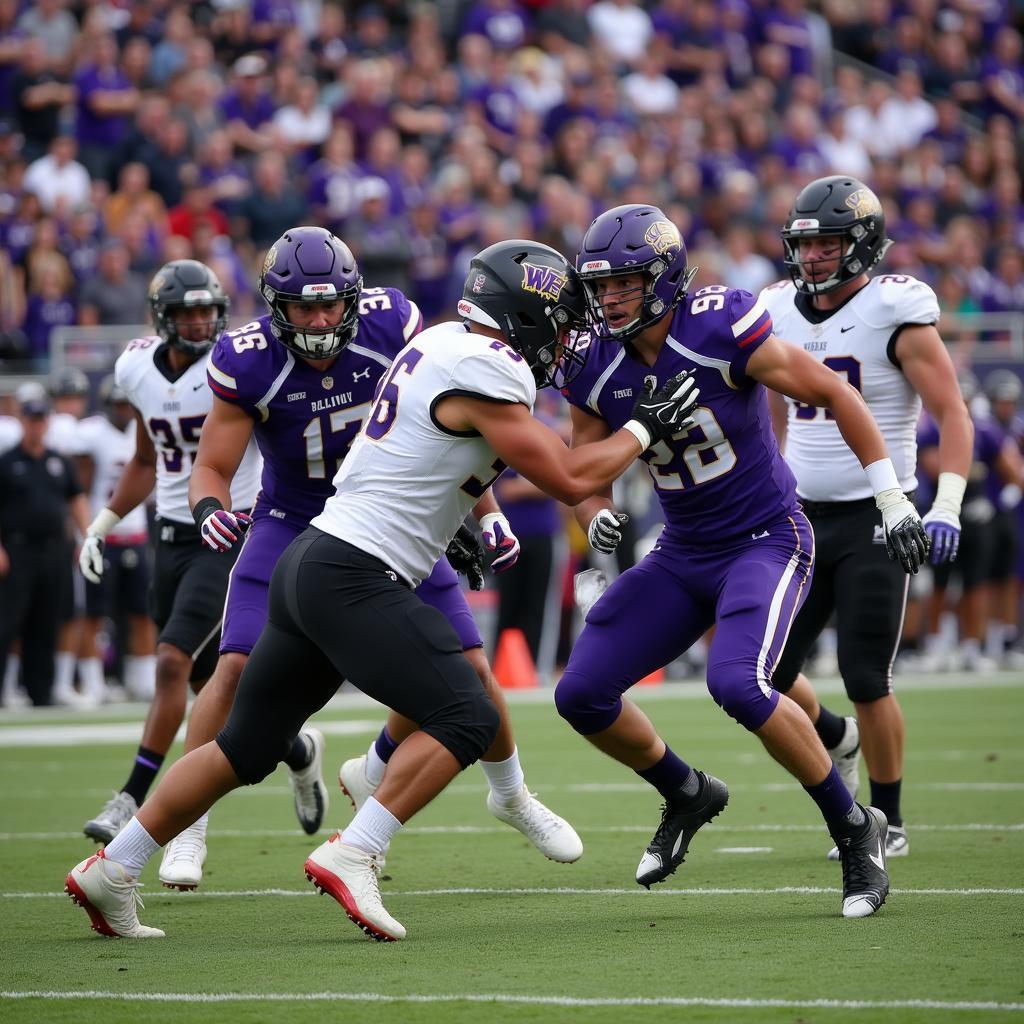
305, 419
726, 469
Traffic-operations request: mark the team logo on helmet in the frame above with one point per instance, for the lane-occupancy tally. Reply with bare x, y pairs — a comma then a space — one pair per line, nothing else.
478, 283
270, 260
544, 281
662, 237
864, 203
155, 285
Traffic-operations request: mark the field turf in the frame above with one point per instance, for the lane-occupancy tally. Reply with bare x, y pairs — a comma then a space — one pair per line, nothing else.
748, 930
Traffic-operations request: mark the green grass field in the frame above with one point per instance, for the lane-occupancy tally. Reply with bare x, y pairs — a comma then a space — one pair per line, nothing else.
748, 930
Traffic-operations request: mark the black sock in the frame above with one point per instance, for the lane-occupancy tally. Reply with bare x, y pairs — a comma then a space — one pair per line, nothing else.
147, 764
831, 728
300, 754
886, 797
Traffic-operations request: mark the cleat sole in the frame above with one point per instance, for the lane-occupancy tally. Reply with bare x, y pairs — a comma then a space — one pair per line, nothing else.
79, 898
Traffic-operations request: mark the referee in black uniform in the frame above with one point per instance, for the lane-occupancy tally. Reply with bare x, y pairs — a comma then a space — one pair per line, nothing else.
38, 490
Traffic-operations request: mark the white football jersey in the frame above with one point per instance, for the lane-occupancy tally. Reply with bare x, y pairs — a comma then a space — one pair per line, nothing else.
110, 450
858, 341
407, 483
173, 412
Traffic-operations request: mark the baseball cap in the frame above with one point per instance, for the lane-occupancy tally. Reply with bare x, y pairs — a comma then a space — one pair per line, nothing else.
32, 400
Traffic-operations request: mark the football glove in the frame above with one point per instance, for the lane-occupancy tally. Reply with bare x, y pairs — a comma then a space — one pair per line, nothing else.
659, 415
222, 529
604, 532
587, 588
943, 529
466, 556
90, 558
905, 537
500, 541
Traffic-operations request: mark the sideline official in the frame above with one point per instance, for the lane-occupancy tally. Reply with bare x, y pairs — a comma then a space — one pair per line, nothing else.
38, 489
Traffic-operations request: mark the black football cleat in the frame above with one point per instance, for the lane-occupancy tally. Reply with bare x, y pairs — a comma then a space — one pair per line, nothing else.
862, 854
681, 816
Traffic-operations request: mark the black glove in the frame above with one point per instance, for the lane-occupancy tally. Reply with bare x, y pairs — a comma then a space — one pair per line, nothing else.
466, 555
659, 415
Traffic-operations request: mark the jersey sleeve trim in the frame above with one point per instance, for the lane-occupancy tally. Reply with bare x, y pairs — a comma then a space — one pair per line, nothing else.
754, 325
414, 324
219, 377
462, 393
890, 346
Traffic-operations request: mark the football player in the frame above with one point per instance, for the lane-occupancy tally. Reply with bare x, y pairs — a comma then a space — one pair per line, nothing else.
163, 376
105, 444
448, 415
736, 552
879, 334
300, 380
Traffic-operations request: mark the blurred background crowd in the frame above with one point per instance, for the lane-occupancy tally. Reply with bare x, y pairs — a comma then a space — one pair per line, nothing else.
132, 133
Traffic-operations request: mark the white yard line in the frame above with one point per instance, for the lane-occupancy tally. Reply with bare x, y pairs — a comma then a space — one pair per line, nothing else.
522, 1000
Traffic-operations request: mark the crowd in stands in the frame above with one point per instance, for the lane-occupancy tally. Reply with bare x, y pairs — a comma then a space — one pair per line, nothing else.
135, 132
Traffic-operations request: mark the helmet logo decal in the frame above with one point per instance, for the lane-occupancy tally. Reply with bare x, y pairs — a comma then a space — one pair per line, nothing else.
804, 224
478, 283
200, 296
663, 236
270, 260
863, 202
156, 284
543, 281
322, 290
464, 307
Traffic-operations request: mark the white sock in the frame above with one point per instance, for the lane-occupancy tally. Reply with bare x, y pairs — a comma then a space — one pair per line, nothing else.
140, 676
372, 828
131, 848
12, 673
94, 683
375, 767
505, 777
200, 825
64, 672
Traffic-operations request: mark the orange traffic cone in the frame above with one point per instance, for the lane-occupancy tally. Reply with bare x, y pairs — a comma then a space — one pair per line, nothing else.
513, 666
656, 677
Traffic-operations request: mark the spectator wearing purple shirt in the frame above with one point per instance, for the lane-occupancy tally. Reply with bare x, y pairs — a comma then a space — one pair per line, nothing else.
271, 19
503, 22
332, 181
248, 107
786, 24
1005, 291
366, 108
428, 266
499, 103
106, 101
1003, 76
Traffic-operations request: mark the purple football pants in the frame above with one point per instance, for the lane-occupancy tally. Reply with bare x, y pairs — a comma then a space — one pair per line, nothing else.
245, 609
751, 588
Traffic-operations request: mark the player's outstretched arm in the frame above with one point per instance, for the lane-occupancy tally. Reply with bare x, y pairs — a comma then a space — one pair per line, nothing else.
596, 516
226, 433
791, 371
133, 487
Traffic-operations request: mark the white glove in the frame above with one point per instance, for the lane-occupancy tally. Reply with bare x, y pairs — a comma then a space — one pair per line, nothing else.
222, 529
604, 532
500, 541
90, 558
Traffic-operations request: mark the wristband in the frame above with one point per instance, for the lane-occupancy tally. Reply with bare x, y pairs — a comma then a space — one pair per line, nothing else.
203, 508
104, 522
949, 494
640, 432
882, 476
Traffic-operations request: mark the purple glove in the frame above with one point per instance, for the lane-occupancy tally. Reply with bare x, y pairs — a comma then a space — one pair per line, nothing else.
500, 541
221, 530
943, 529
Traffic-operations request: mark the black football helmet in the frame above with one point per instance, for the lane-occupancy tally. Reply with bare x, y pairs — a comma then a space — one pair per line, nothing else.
532, 294
187, 283
836, 205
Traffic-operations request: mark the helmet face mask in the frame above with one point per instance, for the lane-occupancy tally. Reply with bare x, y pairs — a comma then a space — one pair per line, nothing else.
310, 265
530, 293
188, 284
834, 207
633, 240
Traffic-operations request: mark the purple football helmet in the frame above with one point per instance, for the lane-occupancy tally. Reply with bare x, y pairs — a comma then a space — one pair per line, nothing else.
309, 264
634, 239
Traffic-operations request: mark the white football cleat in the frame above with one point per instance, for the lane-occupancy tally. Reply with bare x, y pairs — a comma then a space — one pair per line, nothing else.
846, 756
110, 896
311, 799
350, 876
552, 835
116, 813
183, 860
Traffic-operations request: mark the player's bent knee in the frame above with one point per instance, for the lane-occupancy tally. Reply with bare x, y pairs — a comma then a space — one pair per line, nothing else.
864, 685
585, 708
735, 690
172, 666
252, 761
466, 728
